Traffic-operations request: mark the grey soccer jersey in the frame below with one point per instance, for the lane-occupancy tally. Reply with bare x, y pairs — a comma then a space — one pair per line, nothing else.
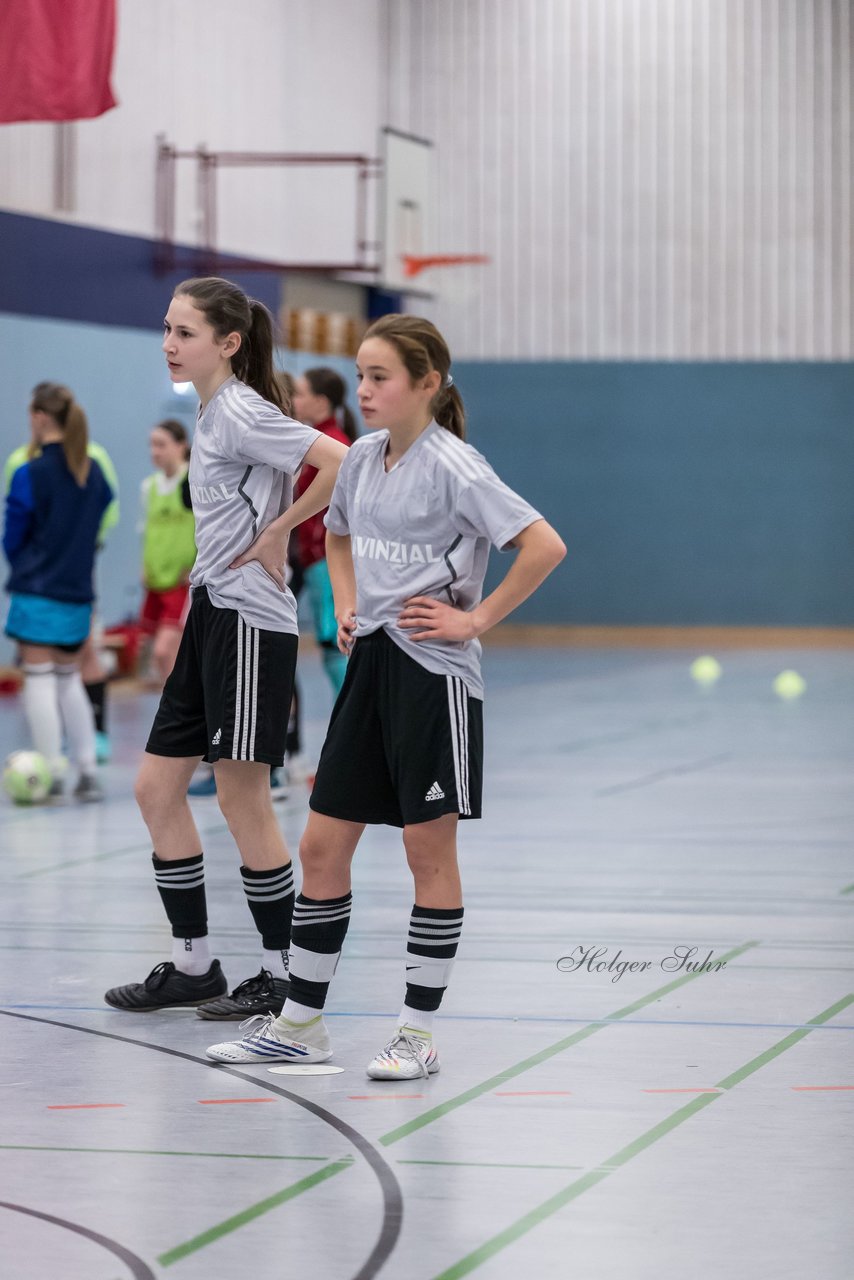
423, 529
244, 457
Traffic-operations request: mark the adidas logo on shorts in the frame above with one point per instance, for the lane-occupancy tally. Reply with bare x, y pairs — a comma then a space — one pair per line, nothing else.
435, 793
215, 740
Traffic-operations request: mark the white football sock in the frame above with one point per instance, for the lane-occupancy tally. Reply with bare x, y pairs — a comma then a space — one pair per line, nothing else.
191, 955
41, 707
77, 716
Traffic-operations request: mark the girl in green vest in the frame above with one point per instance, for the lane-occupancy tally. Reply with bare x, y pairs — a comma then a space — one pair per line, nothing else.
168, 547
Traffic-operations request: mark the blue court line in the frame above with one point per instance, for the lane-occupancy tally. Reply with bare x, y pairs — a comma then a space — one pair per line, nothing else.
463, 1017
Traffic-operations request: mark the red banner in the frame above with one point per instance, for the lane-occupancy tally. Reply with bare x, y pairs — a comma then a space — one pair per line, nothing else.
55, 59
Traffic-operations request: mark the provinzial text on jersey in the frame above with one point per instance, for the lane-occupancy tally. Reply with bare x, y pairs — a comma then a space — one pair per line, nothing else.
394, 552
200, 493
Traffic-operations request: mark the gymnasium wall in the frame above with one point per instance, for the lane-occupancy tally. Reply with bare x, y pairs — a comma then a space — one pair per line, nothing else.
272, 75
659, 354
688, 493
653, 179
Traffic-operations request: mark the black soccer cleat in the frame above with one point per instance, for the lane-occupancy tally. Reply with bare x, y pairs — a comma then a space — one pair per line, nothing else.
167, 988
261, 994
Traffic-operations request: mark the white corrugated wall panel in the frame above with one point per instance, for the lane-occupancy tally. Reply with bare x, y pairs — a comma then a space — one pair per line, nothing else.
654, 179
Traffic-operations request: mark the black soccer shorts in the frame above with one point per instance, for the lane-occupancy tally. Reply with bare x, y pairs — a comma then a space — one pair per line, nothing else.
229, 694
404, 745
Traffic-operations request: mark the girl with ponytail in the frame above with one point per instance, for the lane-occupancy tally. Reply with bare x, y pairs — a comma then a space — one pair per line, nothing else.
54, 510
409, 527
227, 698
320, 398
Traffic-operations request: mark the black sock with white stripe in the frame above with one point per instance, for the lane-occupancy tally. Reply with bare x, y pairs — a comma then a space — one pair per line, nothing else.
181, 885
270, 895
318, 934
434, 934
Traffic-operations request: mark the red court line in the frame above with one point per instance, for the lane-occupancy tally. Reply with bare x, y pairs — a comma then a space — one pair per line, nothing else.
217, 1102
820, 1088
682, 1091
536, 1093
383, 1097
82, 1106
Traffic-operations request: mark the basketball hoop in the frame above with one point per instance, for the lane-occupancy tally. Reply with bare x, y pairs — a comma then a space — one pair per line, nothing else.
414, 264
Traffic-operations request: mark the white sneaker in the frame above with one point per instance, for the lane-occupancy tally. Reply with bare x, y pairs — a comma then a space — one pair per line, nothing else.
265, 1041
408, 1055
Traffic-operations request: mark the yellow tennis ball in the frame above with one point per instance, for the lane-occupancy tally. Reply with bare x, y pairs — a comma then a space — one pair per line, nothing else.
705, 670
789, 684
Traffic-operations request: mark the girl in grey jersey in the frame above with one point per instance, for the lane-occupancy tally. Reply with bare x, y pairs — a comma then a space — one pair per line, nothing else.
228, 697
411, 519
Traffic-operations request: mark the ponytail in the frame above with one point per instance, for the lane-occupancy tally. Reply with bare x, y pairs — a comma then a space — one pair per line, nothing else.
58, 403
253, 363
228, 310
326, 382
76, 443
287, 388
422, 349
449, 412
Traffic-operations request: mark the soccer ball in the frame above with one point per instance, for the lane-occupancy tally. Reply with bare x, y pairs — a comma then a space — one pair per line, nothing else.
26, 777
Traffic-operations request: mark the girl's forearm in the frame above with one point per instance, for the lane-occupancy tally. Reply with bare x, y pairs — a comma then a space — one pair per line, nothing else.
339, 561
540, 551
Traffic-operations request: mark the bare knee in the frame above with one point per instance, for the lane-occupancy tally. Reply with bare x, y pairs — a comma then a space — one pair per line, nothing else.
315, 856
161, 786
325, 853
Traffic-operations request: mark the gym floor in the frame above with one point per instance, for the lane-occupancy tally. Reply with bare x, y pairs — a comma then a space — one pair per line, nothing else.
638, 1121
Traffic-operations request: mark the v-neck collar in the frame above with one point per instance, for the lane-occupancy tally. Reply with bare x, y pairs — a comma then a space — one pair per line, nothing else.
432, 426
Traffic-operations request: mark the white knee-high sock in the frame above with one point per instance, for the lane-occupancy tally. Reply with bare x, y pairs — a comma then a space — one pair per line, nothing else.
41, 707
77, 716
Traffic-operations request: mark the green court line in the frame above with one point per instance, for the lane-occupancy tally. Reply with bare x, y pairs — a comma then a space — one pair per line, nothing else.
254, 1211
140, 1151
104, 857
490, 1164
530, 1220
435, 1113
849, 888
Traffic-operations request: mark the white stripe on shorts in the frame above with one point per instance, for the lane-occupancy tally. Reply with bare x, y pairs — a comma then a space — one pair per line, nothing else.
246, 694
458, 712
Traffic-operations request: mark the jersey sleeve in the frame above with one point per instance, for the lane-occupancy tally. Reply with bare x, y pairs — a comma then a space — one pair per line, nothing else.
487, 507
20, 511
255, 431
337, 518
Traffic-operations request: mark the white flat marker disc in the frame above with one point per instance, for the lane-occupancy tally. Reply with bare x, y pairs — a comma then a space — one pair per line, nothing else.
306, 1069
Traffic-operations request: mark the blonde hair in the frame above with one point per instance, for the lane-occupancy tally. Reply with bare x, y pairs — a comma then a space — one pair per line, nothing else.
58, 403
422, 348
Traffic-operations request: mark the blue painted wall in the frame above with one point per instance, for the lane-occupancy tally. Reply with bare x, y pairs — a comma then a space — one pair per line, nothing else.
687, 493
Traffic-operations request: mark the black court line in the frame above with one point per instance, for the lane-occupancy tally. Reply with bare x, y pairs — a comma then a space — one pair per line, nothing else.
138, 1269
392, 1195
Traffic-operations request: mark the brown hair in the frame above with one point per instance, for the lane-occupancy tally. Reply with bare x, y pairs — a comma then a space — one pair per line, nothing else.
228, 310
422, 348
177, 431
58, 403
326, 382
287, 386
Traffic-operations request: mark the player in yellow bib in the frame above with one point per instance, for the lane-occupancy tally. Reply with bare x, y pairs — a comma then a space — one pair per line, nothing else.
168, 546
